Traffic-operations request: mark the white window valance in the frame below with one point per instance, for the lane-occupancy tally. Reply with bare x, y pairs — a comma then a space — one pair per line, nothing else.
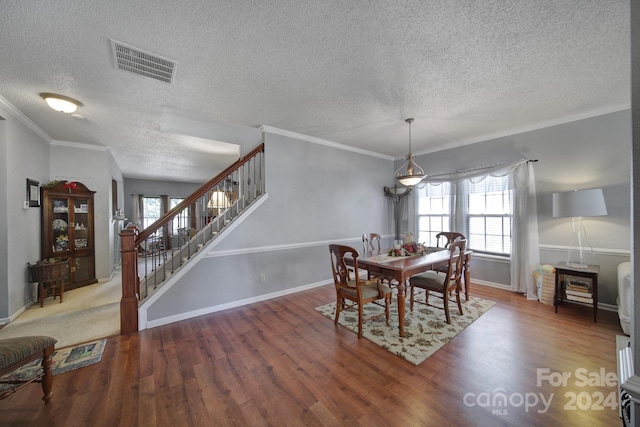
525, 248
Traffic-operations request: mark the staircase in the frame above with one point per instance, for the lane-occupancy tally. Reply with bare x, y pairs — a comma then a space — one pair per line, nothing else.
151, 257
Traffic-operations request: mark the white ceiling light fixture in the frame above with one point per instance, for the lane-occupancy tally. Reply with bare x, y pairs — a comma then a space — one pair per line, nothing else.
414, 173
61, 103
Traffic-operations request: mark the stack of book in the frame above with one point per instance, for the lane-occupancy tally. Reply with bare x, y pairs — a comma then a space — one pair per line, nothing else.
579, 291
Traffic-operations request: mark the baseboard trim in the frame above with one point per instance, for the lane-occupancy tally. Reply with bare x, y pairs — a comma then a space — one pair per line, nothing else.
490, 284
232, 304
603, 306
147, 324
14, 316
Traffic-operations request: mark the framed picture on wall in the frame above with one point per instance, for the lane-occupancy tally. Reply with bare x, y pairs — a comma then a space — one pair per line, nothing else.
33, 193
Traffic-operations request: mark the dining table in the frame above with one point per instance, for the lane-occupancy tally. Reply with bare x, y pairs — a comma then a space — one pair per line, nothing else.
401, 268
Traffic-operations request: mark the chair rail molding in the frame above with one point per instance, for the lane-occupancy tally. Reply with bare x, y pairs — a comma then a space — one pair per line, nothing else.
597, 251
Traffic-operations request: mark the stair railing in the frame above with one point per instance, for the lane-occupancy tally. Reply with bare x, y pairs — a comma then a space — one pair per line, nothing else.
151, 255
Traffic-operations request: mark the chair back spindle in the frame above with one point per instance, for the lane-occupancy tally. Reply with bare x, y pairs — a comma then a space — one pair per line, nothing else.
371, 242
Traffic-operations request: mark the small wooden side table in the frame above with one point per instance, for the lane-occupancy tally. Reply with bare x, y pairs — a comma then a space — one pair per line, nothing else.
590, 272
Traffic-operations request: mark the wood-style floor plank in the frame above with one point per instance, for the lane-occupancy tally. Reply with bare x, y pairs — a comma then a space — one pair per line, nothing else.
280, 362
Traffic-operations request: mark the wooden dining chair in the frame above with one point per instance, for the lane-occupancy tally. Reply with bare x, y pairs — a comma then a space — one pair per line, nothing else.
448, 237
349, 285
371, 242
431, 281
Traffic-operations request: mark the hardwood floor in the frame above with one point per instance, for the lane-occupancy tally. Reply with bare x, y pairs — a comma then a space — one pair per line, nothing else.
280, 362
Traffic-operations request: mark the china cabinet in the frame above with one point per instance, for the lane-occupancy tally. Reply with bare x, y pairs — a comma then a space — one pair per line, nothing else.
67, 229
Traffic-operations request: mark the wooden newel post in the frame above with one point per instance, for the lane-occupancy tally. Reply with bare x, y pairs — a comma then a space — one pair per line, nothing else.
129, 301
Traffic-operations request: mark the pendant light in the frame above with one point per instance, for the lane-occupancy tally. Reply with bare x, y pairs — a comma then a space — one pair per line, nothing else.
414, 173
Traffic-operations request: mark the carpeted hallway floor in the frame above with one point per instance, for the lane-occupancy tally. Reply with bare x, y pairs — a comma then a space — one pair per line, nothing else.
87, 313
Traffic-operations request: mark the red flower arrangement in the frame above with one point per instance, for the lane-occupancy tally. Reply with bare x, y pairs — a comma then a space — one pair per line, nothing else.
72, 185
409, 249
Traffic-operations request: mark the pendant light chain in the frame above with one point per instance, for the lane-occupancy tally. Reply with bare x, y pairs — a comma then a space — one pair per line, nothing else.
414, 173
409, 121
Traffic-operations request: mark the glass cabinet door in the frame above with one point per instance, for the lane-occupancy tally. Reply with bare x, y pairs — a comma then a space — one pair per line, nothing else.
60, 225
81, 224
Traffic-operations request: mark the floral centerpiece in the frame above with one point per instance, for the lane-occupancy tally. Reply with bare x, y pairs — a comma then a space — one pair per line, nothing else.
408, 247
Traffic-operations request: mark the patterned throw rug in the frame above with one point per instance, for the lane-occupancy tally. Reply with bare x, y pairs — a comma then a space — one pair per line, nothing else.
426, 329
63, 360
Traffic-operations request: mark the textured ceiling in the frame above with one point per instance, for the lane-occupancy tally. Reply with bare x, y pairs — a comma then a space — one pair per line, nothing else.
344, 71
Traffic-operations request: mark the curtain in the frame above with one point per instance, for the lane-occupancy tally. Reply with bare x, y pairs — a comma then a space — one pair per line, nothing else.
459, 189
164, 208
136, 214
525, 254
398, 208
164, 204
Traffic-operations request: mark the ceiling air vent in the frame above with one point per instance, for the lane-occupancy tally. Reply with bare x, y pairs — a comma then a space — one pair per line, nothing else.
143, 63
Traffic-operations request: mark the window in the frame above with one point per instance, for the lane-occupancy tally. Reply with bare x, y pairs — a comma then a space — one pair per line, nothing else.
489, 215
151, 210
180, 221
434, 211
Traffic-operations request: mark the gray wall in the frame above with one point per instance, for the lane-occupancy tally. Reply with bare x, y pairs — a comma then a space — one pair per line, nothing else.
316, 195
312, 201
24, 154
115, 226
588, 153
146, 187
90, 165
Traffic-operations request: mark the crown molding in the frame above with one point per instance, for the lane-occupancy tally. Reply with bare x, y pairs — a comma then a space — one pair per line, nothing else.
320, 141
19, 115
529, 128
80, 145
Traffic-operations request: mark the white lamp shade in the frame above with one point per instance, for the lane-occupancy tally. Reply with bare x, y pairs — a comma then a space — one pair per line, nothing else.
579, 203
218, 200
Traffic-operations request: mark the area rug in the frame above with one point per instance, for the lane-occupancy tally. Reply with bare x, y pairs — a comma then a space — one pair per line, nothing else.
425, 329
63, 360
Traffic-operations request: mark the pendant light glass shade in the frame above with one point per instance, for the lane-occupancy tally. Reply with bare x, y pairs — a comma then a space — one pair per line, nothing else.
414, 173
61, 103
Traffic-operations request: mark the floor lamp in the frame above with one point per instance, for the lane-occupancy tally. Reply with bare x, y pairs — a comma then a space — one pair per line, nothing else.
576, 205
218, 201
